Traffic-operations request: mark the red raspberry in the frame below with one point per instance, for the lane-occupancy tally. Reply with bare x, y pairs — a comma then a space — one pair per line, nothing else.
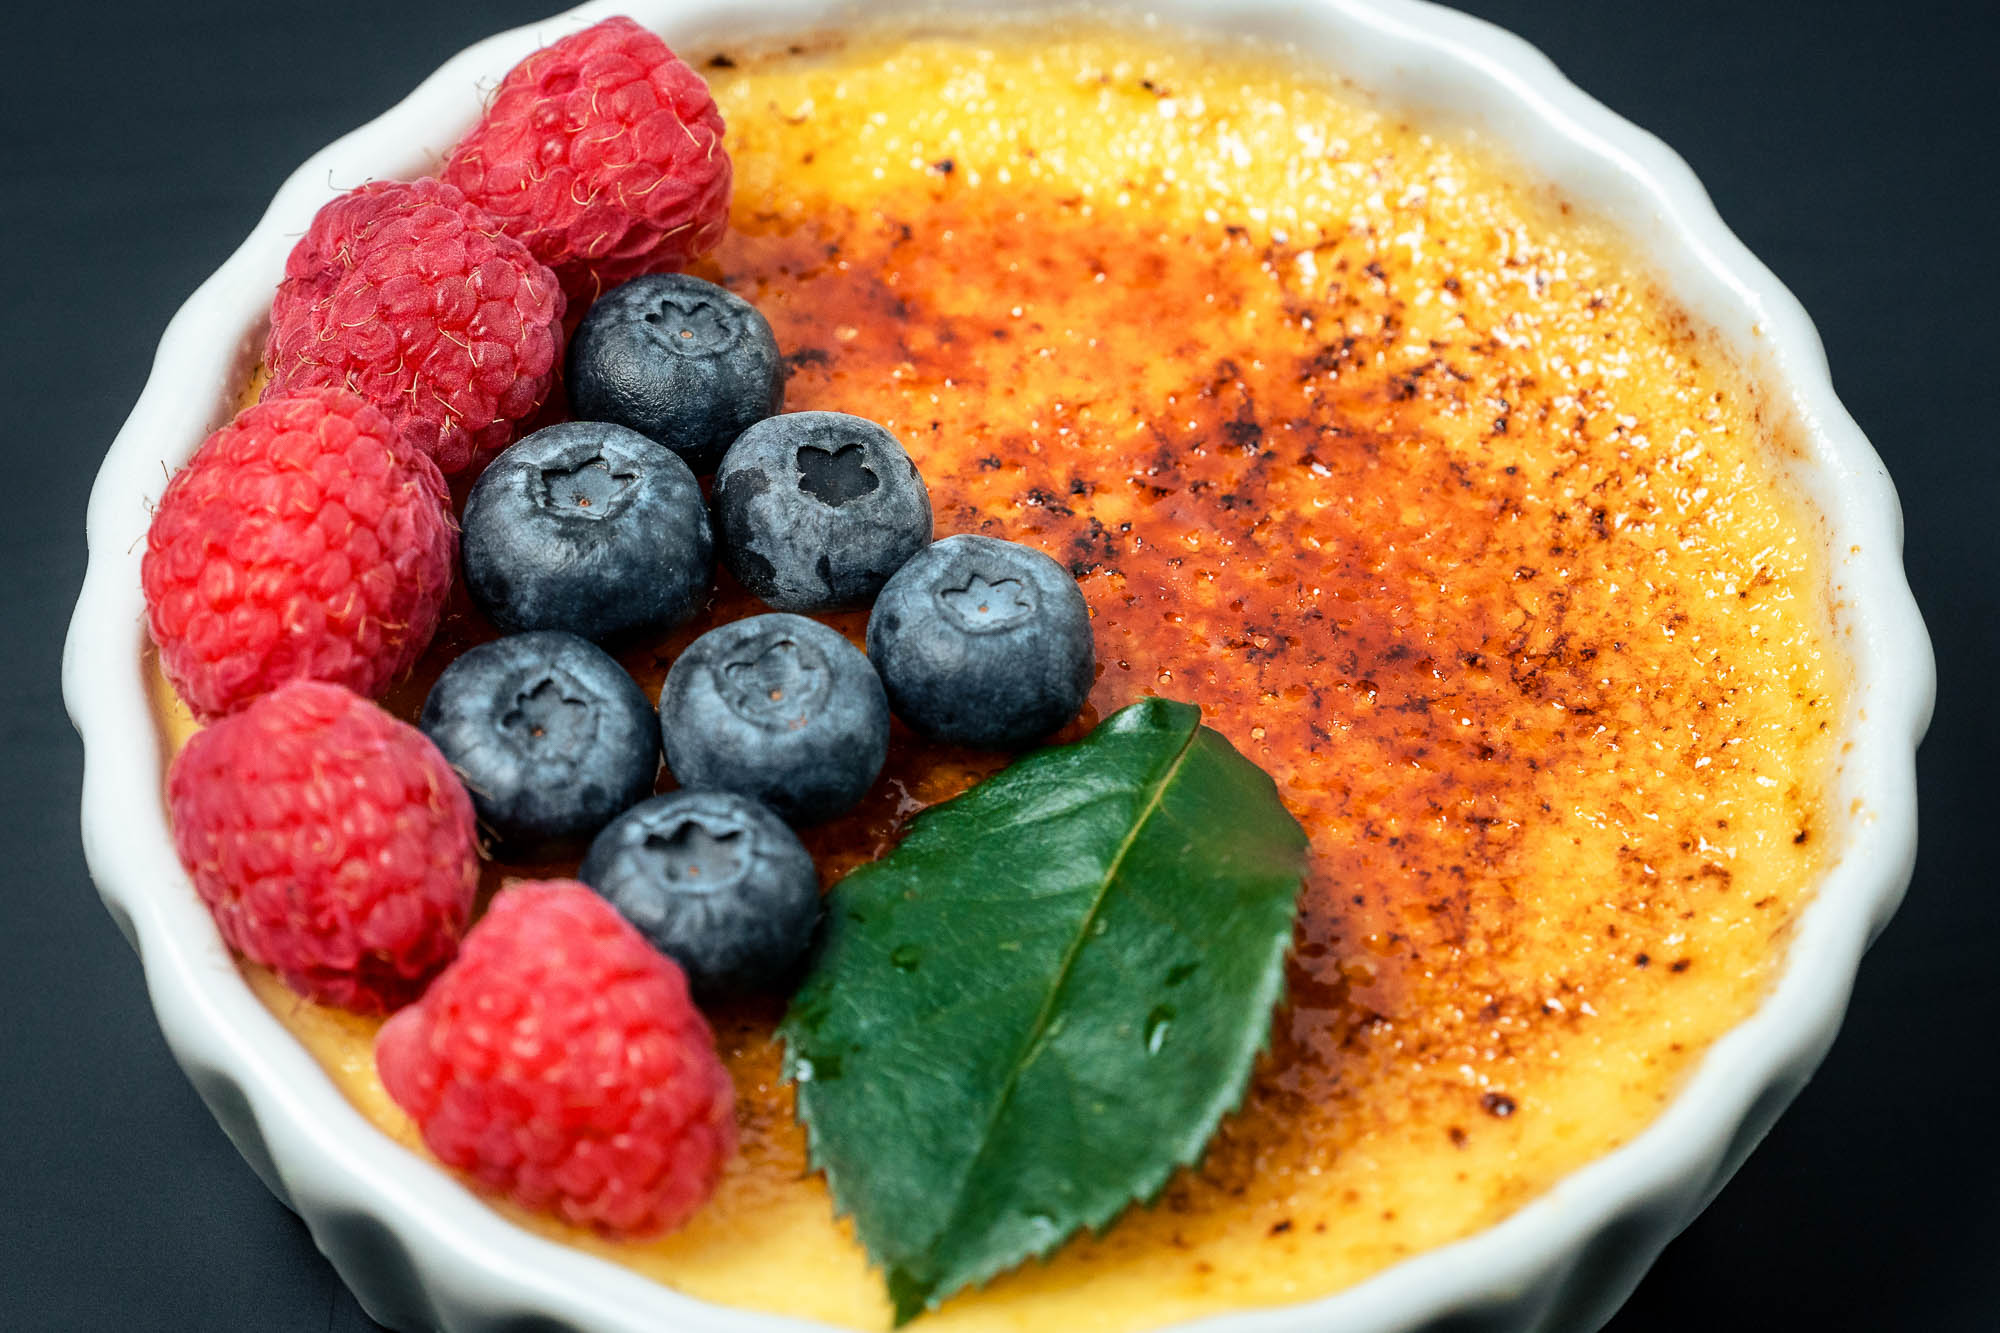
300, 541
604, 153
332, 843
416, 300
560, 1062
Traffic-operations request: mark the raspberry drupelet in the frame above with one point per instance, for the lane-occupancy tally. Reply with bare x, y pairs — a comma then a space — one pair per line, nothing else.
331, 842
560, 1062
416, 300
302, 541
603, 152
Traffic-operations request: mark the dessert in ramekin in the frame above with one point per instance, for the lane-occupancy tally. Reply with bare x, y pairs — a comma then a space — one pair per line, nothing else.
1483, 492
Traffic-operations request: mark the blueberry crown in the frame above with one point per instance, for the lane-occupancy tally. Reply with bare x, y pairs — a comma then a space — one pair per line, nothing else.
552, 714
691, 324
594, 489
835, 476
696, 855
774, 682
985, 604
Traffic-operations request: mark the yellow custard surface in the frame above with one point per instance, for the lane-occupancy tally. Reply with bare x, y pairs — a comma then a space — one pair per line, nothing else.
1421, 487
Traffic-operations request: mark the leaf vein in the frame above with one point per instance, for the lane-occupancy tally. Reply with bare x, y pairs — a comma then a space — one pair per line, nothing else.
1031, 1049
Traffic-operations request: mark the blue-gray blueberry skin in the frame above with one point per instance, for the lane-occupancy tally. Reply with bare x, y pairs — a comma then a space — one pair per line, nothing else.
714, 881
686, 363
815, 510
984, 643
780, 709
587, 527
550, 736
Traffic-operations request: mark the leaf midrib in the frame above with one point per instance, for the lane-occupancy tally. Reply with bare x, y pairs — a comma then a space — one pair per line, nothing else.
1030, 1048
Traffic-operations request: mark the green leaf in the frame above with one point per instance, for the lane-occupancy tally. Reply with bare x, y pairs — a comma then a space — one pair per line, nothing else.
1041, 1003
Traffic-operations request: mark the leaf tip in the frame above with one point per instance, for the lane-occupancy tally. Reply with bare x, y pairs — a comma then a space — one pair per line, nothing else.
908, 1294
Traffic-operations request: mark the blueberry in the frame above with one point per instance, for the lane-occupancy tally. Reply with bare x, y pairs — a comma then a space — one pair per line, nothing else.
983, 642
779, 708
684, 362
817, 509
587, 527
715, 881
549, 735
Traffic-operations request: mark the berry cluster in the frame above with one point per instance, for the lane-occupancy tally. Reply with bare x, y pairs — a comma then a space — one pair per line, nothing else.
591, 530
302, 559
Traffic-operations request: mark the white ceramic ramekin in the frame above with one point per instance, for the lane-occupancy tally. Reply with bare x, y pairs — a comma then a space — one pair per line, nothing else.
421, 1252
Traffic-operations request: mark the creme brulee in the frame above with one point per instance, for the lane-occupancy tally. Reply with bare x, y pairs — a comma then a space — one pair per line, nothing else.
1436, 504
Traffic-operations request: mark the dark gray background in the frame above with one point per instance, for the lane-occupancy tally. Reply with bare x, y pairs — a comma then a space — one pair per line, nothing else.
1852, 146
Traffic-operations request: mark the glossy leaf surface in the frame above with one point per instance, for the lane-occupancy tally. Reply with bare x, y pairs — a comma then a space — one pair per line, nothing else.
1030, 1013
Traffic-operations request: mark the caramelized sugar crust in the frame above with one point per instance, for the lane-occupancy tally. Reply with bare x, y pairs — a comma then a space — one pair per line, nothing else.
1440, 510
